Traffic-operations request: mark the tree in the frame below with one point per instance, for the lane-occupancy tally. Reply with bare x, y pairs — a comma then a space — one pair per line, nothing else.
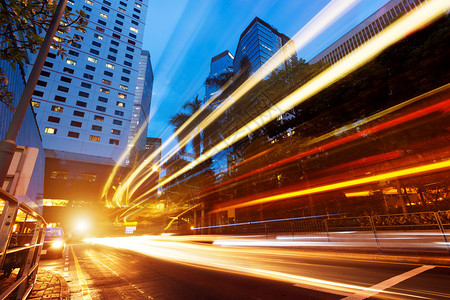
22, 24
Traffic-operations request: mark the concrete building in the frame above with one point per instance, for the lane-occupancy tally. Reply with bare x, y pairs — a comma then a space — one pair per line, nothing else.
258, 43
84, 102
367, 29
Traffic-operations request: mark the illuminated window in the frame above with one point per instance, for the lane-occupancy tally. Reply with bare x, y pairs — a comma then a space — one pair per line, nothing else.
123, 87
120, 104
99, 118
103, 90
108, 65
35, 103
138, 5
89, 177
50, 130
89, 2
121, 9
134, 29
100, 37
94, 138
59, 174
115, 131
71, 62
103, 16
57, 108
57, 39
113, 142
122, 96
91, 59
108, 82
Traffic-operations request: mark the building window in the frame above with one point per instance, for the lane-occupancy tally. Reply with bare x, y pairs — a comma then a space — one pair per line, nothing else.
134, 29
126, 79
48, 64
117, 29
115, 131
120, 104
90, 68
123, 3
73, 134
60, 98
103, 99
96, 44
94, 138
135, 22
71, 62
103, 15
111, 66
107, 2
38, 93
35, 103
86, 85
101, 22
68, 70
127, 63
89, 2
137, 10
135, 16
132, 35
88, 76
120, 16
81, 103
74, 53
100, 108
99, 118
115, 35
113, 50
129, 56
50, 130
57, 108
122, 96
78, 113
76, 124
87, 8
93, 60
63, 88
89, 177
108, 82
100, 29
123, 87
122, 10
83, 94
117, 122
126, 71
110, 57
114, 142
93, 51
107, 73
96, 128
119, 22
130, 49
138, 5
53, 119
66, 79
104, 90
98, 36
41, 83
118, 113
131, 42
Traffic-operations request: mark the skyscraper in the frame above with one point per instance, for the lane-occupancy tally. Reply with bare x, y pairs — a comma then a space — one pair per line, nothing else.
141, 105
85, 102
258, 43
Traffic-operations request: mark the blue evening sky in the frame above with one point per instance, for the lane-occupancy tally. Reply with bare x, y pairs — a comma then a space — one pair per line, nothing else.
183, 35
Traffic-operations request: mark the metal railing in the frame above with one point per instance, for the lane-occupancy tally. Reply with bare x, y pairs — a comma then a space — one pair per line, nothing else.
21, 238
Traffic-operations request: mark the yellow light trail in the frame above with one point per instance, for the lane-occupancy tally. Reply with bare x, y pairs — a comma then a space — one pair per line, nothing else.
414, 20
345, 184
318, 24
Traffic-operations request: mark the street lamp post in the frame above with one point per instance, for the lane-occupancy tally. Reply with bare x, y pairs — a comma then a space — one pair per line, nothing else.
8, 145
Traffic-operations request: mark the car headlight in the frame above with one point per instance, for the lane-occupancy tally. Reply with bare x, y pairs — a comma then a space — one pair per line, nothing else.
58, 244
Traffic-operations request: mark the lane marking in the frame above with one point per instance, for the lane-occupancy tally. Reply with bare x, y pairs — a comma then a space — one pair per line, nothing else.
380, 287
81, 278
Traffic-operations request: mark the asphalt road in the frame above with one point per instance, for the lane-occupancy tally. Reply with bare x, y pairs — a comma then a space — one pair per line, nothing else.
147, 268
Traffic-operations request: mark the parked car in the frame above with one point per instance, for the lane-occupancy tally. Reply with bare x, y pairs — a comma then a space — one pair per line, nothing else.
53, 242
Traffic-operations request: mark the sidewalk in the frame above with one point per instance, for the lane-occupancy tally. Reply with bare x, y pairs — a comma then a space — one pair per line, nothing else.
50, 286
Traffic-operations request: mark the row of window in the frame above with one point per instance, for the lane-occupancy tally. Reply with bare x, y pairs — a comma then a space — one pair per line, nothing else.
73, 134
370, 30
120, 8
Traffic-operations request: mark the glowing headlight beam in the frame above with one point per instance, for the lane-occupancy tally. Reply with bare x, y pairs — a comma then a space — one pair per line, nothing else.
410, 22
345, 184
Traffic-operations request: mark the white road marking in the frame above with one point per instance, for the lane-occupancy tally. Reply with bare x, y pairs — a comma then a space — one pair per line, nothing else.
380, 287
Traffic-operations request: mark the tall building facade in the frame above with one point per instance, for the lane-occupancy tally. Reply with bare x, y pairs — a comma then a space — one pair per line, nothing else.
367, 29
221, 71
258, 43
85, 101
141, 105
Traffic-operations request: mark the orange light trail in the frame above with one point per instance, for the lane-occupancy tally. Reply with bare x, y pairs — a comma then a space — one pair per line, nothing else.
345, 184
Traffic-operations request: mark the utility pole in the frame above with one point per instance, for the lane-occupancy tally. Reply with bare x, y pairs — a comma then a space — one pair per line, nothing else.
8, 145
